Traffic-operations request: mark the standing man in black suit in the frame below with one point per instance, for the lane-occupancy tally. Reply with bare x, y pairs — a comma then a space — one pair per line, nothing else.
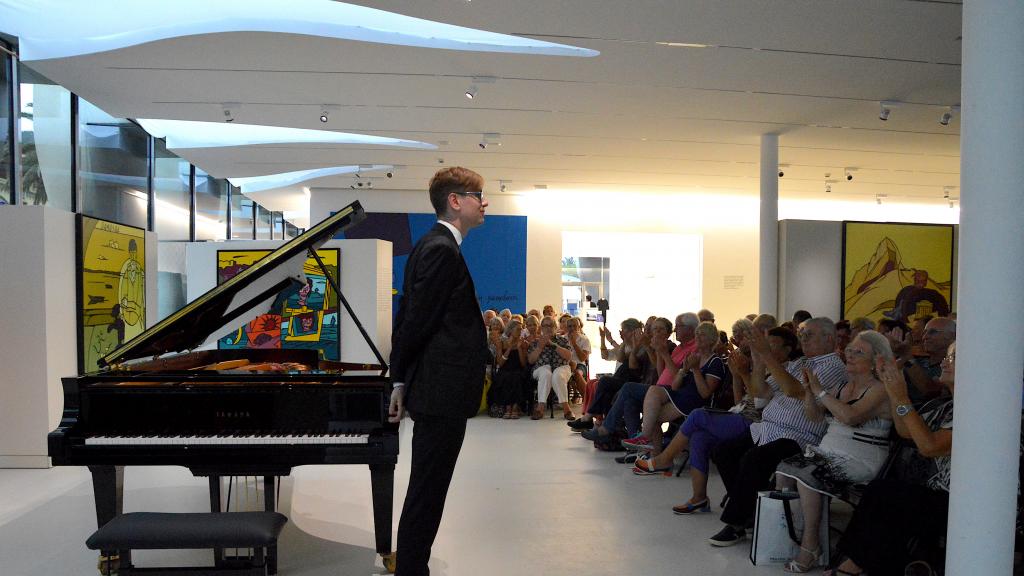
438, 355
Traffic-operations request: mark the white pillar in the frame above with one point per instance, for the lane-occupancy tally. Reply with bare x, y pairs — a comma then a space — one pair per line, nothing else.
990, 358
768, 276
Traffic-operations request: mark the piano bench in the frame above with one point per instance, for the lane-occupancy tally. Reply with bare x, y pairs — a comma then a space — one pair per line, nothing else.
164, 531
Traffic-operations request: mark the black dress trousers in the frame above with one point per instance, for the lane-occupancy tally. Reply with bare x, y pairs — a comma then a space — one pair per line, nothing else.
436, 442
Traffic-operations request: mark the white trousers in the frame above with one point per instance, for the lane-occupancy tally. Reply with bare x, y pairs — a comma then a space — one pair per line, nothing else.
546, 378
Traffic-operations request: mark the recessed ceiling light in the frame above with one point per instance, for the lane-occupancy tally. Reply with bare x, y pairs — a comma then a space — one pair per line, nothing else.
540, 186
260, 183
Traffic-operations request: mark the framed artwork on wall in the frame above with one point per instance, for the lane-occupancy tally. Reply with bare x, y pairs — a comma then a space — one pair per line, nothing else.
305, 317
898, 271
111, 262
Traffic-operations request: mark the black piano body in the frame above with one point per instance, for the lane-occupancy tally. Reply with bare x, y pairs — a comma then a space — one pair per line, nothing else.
254, 412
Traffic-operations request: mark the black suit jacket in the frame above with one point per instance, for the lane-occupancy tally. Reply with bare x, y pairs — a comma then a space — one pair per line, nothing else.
439, 343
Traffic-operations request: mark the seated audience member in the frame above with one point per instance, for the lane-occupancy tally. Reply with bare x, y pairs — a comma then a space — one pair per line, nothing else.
751, 317
506, 315
631, 364
517, 318
789, 326
747, 462
531, 327
495, 329
668, 360
705, 315
629, 402
923, 372
892, 513
580, 346
917, 329
510, 384
703, 430
887, 325
691, 388
843, 338
549, 311
488, 316
534, 312
800, 316
549, 355
858, 325
853, 449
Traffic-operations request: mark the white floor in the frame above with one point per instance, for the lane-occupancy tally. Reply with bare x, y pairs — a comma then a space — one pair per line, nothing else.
528, 498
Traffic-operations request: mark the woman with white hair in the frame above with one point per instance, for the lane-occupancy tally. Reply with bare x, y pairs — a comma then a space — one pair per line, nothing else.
853, 449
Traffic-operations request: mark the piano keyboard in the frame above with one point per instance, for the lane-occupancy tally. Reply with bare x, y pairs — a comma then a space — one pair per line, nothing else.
239, 440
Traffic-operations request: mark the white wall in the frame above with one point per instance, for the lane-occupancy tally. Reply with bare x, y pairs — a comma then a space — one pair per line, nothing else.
810, 268
727, 225
39, 311
365, 281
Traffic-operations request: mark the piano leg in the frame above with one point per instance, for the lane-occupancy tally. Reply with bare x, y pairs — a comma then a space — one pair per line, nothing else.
218, 553
108, 491
382, 482
269, 501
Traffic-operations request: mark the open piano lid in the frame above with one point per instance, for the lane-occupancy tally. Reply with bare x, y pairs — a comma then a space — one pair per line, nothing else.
219, 311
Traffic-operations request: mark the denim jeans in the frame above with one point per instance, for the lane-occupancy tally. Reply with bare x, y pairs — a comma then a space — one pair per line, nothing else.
627, 407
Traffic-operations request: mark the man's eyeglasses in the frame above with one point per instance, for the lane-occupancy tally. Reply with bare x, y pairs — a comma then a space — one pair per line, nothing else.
478, 195
805, 334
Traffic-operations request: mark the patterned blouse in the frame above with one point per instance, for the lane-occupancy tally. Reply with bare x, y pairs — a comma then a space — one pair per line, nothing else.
549, 355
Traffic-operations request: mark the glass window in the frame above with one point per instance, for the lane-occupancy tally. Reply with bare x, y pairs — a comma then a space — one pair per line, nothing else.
171, 192
211, 207
5, 129
113, 167
44, 122
241, 216
278, 226
290, 231
262, 223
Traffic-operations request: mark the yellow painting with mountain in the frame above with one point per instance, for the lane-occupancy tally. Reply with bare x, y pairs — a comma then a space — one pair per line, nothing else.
898, 271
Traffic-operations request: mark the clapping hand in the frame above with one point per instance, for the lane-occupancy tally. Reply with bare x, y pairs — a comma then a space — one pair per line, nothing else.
739, 363
759, 343
899, 342
811, 382
893, 379
692, 361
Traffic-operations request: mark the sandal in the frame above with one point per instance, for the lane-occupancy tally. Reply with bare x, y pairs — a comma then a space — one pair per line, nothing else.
794, 567
538, 412
692, 508
644, 466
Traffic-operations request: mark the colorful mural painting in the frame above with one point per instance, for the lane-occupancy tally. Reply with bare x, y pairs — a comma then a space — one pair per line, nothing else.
111, 287
899, 271
495, 253
306, 317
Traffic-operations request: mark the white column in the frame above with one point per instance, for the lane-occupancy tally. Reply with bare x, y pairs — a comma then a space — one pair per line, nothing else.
768, 276
990, 358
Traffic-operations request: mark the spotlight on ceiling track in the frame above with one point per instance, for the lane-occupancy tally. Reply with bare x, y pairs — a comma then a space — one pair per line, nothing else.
230, 109
473, 89
848, 172
948, 114
325, 112
502, 186
879, 197
883, 113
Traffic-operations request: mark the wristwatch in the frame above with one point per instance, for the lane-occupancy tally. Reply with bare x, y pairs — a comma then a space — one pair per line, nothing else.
903, 409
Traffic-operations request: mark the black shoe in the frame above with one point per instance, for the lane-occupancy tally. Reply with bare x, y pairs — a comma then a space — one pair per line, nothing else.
594, 434
626, 458
580, 424
728, 536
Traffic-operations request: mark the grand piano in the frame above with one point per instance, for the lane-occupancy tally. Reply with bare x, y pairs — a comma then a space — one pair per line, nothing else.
163, 398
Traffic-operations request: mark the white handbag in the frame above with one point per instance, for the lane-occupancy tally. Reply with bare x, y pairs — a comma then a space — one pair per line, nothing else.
776, 529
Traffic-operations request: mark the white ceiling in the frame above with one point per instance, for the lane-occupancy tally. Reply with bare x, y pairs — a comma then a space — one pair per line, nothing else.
641, 116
